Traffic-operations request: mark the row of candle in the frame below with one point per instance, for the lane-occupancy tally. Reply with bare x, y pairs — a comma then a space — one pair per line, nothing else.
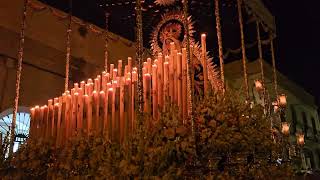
107, 104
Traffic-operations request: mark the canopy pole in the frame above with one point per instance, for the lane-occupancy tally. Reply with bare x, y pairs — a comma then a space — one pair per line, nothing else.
69, 30
18, 76
243, 49
218, 27
139, 53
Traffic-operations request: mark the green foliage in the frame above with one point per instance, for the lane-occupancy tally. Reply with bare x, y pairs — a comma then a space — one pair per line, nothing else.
231, 141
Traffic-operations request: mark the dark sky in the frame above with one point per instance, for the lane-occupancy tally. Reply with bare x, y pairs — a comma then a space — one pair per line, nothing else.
297, 43
298, 31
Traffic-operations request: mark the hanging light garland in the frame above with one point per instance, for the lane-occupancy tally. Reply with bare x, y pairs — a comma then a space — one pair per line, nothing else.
18, 79
106, 42
218, 27
190, 69
139, 53
244, 57
69, 30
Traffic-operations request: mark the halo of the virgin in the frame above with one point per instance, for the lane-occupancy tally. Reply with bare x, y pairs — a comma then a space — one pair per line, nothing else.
177, 17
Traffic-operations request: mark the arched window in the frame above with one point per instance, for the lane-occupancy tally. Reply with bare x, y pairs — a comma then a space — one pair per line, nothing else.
22, 125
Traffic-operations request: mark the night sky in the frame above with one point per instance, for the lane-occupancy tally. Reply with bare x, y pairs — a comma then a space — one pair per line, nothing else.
298, 27
297, 43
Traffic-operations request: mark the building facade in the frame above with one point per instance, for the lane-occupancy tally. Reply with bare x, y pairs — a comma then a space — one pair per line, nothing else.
301, 111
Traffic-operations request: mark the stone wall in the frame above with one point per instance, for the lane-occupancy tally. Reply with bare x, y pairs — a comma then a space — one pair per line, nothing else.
45, 52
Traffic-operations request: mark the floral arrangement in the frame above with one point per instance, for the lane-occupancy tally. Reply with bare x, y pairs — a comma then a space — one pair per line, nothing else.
231, 140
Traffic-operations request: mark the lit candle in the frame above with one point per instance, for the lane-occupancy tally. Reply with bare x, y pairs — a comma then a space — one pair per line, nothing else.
172, 47
82, 85
149, 65
96, 111
46, 120
103, 102
184, 84
68, 115
282, 100
80, 110
179, 80
154, 92
166, 80
76, 86
204, 62
88, 102
134, 76
111, 71
258, 85
285, 128
115, 73
32, 121
56, 114
50, 118
119, 67
300, 139
108, 121
125, 70
122, 120
128, 108
129, 64
160, 80
175, 76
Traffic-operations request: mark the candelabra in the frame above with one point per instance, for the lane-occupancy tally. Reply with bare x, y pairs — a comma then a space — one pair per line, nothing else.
289, 150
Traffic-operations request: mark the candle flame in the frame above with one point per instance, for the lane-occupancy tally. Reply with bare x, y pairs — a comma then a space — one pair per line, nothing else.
101, 92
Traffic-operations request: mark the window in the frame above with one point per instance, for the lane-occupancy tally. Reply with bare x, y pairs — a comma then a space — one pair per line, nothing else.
305, 124
314, 127
309, 158
294, 120
22, 125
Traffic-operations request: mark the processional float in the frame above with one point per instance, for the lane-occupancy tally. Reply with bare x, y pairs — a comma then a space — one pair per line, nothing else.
107, 103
